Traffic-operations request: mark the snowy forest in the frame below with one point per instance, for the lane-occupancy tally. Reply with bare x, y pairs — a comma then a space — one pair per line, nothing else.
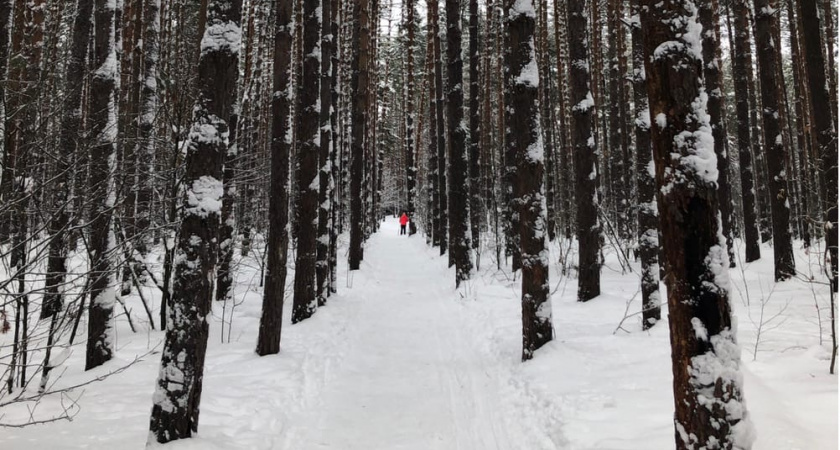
406, 224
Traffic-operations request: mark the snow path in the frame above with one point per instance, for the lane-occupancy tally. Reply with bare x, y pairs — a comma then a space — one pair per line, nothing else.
411, 378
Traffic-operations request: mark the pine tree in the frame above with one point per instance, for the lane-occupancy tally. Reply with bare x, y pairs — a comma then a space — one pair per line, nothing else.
525, 129
459, 207
766, 28
175, 410
648, 214
360, 107
308, 154
708, 400
741, 71
277, 247
586, 160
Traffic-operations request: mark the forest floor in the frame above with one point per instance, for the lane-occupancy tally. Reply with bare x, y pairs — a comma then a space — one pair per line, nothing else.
400, 359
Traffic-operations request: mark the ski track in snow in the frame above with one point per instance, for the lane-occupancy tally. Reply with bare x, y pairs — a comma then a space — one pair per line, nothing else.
401, 360
412, 378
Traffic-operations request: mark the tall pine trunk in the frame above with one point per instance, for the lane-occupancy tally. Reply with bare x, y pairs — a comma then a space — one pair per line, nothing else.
175, 409
277, 247
766, 29
708, 397
360, 107
586, 159
459, 208
525, 129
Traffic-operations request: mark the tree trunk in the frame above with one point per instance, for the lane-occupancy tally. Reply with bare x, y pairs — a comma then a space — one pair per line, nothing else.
103, 122
271, 320
766, 28
175, 409
823, 124
476, 210
709, 17
586, 160
459, 208
69, 140
360, 108
704, 353
525, 129
308, 181
741, 70
648, 213
440, 132
410, 163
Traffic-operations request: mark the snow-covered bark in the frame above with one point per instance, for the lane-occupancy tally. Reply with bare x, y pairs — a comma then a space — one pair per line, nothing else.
175, 409
586, 157
459, 207
268, 341
708, 394
325, 174
440, 132
709, 17
308, 154
103, 126
530, 185
648, 231
766, 29
475, 133
146, 122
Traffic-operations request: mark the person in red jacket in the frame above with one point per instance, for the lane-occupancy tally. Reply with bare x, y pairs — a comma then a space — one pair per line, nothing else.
403, 223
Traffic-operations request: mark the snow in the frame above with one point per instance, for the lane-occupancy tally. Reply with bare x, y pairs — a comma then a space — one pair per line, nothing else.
205, 196
400, 359
220, 36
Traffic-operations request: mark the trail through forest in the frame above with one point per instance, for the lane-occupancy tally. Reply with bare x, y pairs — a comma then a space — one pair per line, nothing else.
411, 378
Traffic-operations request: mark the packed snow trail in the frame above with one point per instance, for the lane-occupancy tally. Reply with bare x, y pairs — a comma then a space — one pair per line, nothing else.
411, 378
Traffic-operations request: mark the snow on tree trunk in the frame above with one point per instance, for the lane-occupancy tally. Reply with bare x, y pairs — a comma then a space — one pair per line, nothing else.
103, 126
648, 232
766, 28
476, 210
527, 141
308, 154
586, 158
268, 341
708, 396
175, 410
440, 132
322, 265
459, 207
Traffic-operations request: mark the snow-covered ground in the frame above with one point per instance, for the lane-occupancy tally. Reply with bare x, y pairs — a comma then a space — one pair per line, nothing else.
399, 359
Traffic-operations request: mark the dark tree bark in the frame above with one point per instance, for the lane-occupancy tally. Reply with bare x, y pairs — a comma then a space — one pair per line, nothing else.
175, 409
69, 141
741, 71
648, 213
308, 180
103, 123
277, 248
459, 208
360, 107
705, 356
586, 160
709, 17
440, 132
410, 163
824, 125
325, 185
546, 107
766, 28
525, 129
476, 210
432, 173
